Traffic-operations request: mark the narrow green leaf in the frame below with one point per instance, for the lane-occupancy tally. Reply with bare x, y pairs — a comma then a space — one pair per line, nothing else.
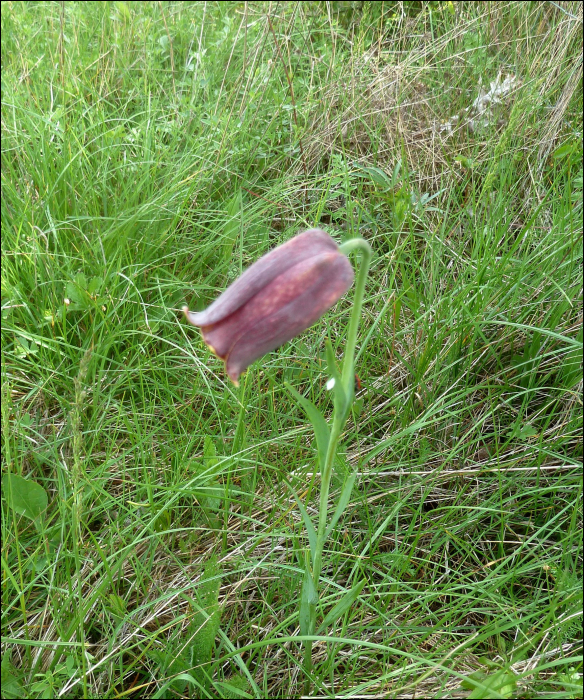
311, 532
308, 600
319, 424
24, 496
341, 607
342, 504
307, 612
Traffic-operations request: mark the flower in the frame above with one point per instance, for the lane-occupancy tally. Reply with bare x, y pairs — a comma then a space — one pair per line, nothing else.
279, 296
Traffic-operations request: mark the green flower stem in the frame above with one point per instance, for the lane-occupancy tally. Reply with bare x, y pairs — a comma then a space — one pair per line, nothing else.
338, 422
238, 439
364, 248
348, 378
240, 427
325, 481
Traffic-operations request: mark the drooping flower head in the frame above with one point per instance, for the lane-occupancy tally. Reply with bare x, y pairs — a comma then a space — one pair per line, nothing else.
282, 294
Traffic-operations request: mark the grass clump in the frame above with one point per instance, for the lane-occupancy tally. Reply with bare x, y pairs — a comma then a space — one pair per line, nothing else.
152, 151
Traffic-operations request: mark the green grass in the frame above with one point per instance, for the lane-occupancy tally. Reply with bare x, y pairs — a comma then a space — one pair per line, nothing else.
150, 152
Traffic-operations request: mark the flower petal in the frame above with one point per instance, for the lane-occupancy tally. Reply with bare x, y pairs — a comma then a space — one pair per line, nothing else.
302, 247
289, 305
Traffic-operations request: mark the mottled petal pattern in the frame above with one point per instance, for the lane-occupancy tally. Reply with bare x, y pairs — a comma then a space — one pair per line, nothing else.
263, 271
278, 297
